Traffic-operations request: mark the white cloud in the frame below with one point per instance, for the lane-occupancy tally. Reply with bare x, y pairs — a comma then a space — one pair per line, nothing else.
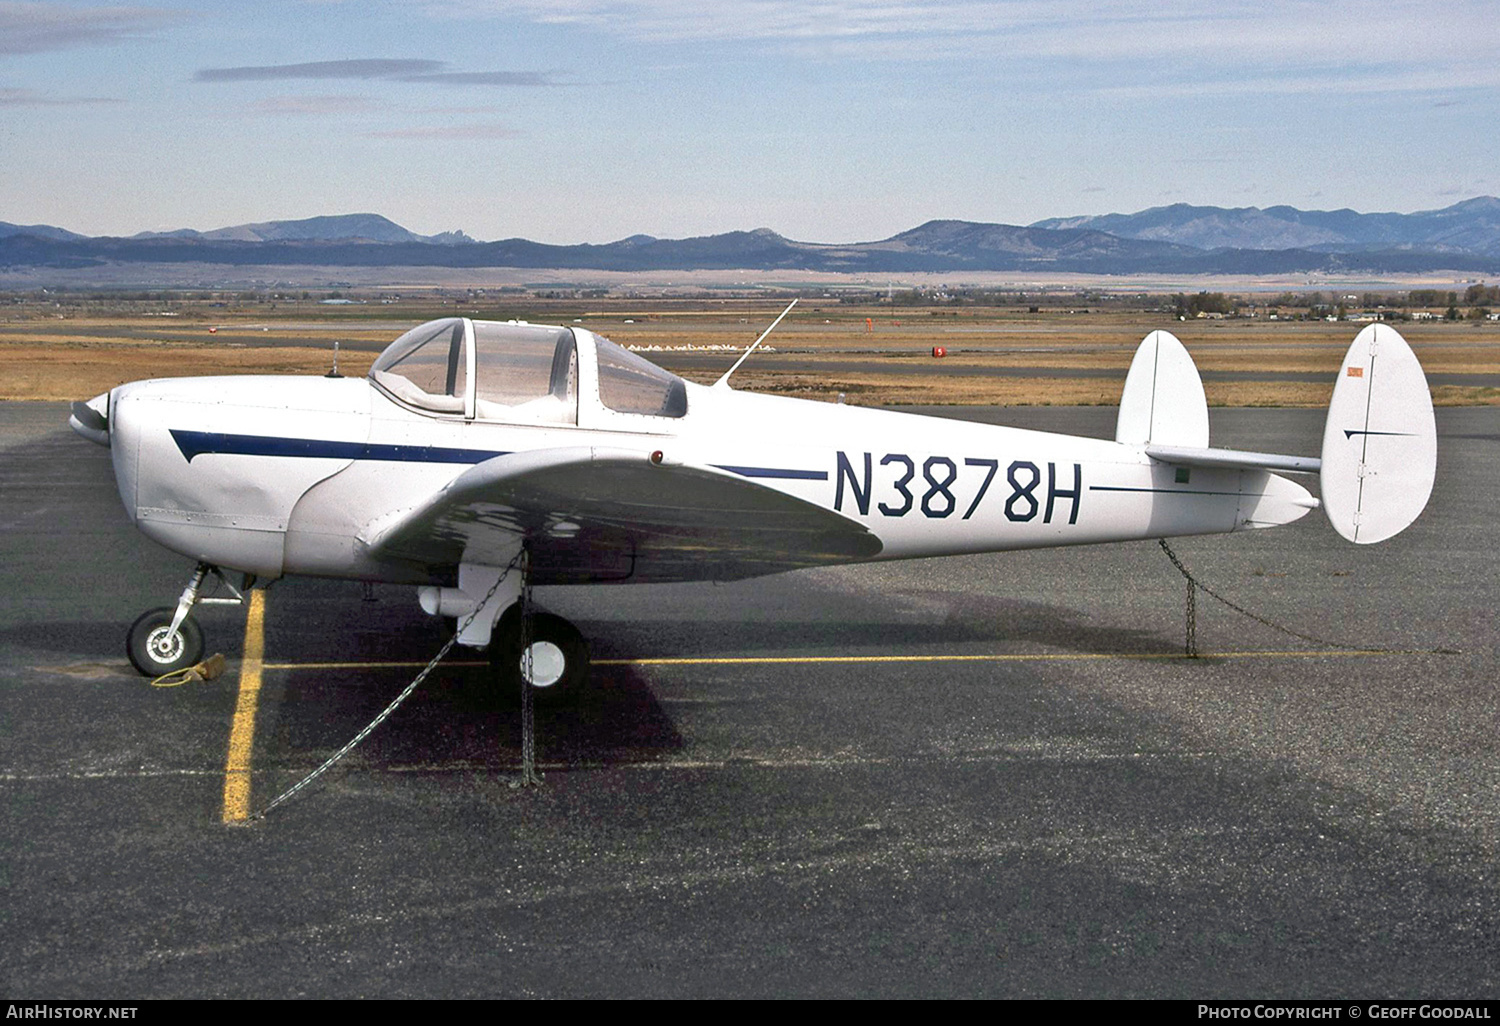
29, 27
32, 98
1338, 81
373, 68
751, 19
1232, 34
363, 68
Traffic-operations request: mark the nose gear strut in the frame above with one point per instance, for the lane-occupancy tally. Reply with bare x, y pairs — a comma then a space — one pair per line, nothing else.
168, 639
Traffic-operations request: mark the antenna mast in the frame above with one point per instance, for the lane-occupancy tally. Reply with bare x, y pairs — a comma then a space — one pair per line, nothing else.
724, 381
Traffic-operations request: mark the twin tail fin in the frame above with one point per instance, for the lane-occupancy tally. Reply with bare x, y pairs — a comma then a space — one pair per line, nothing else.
1379, 455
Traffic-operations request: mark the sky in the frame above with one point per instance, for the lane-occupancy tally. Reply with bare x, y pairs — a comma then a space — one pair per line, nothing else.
568, 121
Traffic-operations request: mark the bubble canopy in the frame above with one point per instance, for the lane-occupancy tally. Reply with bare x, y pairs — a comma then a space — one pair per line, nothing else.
508, 370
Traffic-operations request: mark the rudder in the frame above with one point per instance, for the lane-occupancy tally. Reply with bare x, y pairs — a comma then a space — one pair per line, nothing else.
1380, 439
1163, 401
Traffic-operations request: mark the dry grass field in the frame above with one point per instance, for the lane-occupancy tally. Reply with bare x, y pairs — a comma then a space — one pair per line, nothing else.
873, 355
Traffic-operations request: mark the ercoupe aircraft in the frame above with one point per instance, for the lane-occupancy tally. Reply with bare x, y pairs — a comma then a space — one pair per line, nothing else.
471, 440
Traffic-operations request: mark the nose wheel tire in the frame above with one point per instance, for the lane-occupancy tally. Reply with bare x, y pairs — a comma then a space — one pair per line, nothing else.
559, 657
153, 647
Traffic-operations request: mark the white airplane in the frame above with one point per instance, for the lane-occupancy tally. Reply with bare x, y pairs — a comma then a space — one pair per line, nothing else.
471, 440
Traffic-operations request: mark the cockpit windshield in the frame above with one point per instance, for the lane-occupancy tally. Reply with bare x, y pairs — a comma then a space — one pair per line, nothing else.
513, 371
630, 384
426, 367
526, 371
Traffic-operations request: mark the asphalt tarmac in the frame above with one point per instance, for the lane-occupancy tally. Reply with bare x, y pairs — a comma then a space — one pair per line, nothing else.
1070, 809
923, 365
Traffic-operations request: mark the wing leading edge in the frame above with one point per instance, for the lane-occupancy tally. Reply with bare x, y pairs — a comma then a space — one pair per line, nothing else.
594, 514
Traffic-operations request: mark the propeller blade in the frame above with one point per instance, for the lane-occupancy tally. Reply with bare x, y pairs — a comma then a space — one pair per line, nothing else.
90, 417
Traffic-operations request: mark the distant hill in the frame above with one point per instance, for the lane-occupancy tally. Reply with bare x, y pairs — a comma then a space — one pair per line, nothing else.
337, 228
1471, 227
1178, 240
40, 231
973, 242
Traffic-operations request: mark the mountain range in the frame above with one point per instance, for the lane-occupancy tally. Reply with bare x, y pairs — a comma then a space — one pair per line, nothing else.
364, 227
1177, 239
1472, 227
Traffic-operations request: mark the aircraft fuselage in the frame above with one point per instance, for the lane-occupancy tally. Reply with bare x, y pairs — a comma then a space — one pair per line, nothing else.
291, 475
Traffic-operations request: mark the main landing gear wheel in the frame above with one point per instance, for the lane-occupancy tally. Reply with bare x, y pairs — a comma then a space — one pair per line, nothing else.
559, 657
153, 647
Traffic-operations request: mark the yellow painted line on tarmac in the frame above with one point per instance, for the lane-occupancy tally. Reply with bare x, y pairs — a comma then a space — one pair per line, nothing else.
1019, 657
1014, 657
242, 731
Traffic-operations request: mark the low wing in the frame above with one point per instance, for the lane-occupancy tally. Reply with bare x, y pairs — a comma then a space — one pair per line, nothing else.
610, 514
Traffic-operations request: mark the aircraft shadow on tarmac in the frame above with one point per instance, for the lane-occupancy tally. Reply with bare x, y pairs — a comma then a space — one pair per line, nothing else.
311, 704
78, 639
972, 624
459, 720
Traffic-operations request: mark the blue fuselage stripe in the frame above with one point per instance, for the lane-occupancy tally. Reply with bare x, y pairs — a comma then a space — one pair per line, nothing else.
200, 443
1157, 491
795, 475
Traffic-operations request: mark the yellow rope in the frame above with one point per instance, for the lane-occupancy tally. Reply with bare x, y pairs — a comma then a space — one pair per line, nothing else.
210, 668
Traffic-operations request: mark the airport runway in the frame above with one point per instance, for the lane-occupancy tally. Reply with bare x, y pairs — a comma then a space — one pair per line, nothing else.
1021, 789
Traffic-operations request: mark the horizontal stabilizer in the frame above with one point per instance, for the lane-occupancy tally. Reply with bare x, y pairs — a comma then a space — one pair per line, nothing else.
1380, 440
1234, 459
1163, 401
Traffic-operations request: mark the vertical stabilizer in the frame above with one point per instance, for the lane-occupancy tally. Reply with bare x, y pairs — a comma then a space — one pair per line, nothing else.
1163, 401
1380, 441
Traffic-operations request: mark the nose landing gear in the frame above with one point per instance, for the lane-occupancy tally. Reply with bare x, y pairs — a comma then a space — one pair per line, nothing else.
156, 646
168, 639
